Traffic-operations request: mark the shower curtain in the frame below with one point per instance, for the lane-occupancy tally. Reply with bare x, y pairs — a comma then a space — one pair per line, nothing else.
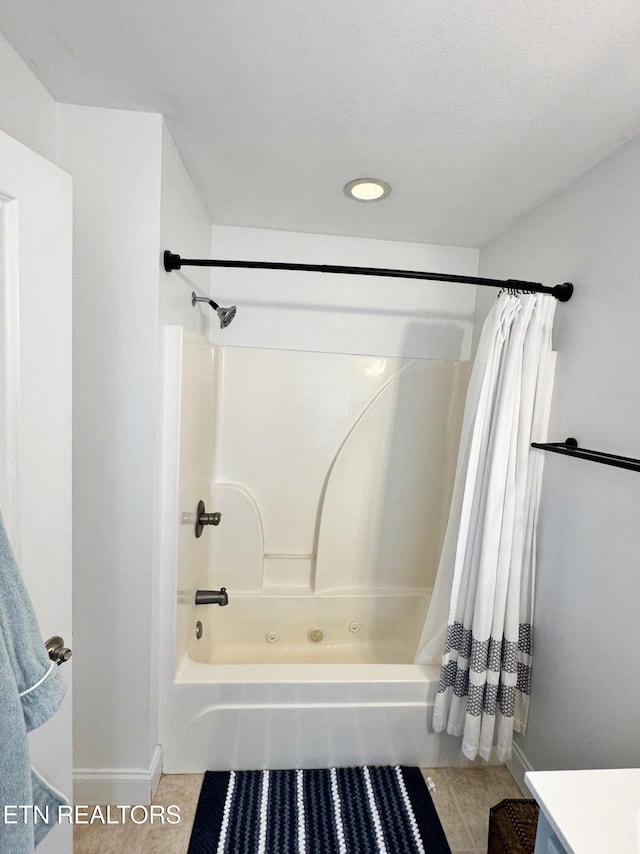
481, 609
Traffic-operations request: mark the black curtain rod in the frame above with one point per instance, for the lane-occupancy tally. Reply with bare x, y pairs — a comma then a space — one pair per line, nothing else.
571, 449
561, 292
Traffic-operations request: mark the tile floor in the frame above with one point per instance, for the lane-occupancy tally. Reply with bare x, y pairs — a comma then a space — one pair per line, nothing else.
463, 797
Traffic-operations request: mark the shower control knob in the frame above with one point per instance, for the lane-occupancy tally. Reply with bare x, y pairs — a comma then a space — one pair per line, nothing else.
203, 518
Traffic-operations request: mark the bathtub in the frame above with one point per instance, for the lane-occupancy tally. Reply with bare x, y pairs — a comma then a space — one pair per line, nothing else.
339, 628
300, 670
261, 688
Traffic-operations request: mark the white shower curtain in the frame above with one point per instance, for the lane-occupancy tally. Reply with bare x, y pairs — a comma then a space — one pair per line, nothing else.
479, 623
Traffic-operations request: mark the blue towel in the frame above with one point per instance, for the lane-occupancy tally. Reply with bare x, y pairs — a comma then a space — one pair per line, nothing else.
31, 689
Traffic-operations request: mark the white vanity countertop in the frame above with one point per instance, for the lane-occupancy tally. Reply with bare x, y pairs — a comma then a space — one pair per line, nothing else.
591, 811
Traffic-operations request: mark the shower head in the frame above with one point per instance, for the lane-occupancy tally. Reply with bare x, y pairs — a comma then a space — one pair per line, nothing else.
226, 315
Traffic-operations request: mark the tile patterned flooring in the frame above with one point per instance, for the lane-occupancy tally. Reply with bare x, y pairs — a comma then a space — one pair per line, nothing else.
463, 797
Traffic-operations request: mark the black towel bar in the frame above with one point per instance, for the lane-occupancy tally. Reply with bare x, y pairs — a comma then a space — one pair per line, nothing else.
570, 448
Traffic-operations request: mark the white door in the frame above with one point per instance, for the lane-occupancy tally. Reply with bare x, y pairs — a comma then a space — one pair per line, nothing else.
35, 419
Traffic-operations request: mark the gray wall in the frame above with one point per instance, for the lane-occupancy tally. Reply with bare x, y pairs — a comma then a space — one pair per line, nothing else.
585, 707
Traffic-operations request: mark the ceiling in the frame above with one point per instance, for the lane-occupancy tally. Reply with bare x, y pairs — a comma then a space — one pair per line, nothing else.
473, 112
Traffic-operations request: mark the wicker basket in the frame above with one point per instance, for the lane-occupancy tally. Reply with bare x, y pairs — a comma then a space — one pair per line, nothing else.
512, 827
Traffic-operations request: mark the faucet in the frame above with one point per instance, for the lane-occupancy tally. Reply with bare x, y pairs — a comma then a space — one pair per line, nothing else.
212, 597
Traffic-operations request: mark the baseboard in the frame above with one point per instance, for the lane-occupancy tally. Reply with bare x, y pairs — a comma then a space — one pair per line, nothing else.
156, 769
518, 765
124, 786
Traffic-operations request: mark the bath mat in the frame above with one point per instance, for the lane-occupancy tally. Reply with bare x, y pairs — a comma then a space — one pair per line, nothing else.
368, 810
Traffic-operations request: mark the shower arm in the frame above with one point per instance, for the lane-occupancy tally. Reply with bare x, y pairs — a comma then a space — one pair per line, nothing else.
225, 315
196, 299
561, 292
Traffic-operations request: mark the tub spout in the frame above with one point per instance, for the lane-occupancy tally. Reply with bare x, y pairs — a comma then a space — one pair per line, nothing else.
212, 597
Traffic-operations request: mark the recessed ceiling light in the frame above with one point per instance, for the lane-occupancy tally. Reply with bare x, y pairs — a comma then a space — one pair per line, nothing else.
367, 189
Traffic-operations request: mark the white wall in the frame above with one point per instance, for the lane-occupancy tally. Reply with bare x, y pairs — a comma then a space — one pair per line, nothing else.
184, 228
114, 157
585, 693
27, 110
133, 198
343, 314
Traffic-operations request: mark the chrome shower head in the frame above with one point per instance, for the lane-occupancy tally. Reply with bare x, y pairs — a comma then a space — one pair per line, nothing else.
226, 315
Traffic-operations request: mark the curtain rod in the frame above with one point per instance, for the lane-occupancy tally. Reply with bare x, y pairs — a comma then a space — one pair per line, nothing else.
561, 292
571, 449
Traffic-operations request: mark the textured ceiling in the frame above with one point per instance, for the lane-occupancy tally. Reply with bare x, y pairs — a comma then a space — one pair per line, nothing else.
473, 112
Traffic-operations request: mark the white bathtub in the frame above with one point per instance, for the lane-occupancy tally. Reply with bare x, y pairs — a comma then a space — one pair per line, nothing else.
320, 628
265, 709
255, 690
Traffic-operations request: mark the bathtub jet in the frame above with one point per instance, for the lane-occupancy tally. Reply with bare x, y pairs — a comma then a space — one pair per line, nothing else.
226, 315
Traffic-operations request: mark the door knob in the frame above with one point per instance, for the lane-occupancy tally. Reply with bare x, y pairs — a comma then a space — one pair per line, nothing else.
58, 652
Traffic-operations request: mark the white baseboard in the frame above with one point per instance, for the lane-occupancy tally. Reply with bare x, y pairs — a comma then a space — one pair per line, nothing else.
156, 769
518, 765
124, 786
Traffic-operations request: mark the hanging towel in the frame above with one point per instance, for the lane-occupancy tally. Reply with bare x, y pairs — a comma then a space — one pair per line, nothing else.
31, 690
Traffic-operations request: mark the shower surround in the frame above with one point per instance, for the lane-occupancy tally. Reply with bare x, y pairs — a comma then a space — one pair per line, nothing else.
333, 477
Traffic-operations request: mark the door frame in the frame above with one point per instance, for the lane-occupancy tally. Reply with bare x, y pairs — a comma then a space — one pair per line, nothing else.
35, 435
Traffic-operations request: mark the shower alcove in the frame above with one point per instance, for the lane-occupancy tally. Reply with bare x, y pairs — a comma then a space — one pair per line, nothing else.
333, 475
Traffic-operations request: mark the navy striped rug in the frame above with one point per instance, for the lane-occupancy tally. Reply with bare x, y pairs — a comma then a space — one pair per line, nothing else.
368, 810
